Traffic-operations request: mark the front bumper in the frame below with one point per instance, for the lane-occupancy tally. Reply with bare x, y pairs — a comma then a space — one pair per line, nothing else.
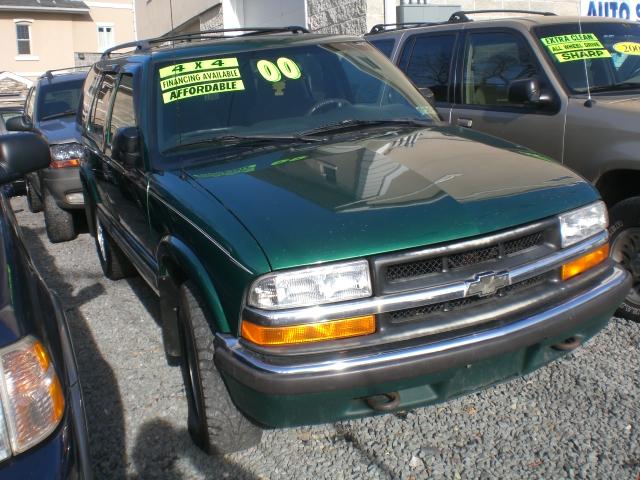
62, 182
274, 391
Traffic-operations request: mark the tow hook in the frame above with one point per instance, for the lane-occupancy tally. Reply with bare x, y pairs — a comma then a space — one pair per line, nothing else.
383, 402
568, 344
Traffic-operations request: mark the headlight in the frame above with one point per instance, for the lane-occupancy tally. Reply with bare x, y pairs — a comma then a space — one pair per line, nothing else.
312, 286
32, 397
583, 223
66, 155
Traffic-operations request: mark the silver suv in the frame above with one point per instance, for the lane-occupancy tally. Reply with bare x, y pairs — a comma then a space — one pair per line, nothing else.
566, 87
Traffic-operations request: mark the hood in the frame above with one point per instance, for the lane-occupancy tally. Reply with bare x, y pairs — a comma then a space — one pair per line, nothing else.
61, 130
388, 192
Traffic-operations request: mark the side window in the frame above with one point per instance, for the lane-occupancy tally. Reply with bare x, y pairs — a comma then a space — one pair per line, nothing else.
98, 114
122, 112
492, 61
429, 63
30, 103
90, 86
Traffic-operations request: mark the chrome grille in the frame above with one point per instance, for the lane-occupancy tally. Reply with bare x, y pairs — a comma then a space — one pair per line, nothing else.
417, 313
463, 259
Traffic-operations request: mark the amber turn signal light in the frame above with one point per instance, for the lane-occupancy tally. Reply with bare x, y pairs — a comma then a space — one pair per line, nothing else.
72, 162
313, 332
584, 263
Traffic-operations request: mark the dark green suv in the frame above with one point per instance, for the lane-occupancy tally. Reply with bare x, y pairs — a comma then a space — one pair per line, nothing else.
567, 87
322, 246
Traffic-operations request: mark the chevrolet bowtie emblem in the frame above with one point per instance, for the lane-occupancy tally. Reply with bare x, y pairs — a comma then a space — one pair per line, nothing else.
487, 283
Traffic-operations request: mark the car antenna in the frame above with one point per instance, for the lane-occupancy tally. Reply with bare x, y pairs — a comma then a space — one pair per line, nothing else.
589, 102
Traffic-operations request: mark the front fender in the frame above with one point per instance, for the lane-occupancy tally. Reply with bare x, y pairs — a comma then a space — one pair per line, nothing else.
172, 249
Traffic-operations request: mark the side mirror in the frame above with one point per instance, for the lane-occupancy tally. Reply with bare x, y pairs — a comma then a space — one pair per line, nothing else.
428, 94
19, 124
125, 145
22, 153
527, 91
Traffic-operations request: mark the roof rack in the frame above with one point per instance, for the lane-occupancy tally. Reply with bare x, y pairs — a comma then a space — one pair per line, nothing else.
49, 73
385, 27
462, 15
146, 45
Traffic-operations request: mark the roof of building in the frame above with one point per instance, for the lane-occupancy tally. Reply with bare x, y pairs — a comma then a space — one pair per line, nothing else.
70, 6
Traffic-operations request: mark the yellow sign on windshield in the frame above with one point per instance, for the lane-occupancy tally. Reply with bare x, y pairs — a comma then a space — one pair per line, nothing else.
200, 77
198, 66
628, 48
577, 46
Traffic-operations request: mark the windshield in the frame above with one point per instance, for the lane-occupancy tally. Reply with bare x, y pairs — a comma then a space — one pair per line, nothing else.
609, 53
284, 91
59, 99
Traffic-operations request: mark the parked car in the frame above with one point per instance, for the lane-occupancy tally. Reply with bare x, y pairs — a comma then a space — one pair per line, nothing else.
322, 246
8, 111
50, 110
524, 79
43, 431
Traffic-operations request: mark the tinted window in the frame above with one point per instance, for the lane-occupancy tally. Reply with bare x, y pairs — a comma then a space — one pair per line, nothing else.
429, 63
30, 104
90, 87
98, 115
385, 45
62, 98
122, 112
492, 62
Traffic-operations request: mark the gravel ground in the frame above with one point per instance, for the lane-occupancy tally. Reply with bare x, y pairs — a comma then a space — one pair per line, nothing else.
577, 418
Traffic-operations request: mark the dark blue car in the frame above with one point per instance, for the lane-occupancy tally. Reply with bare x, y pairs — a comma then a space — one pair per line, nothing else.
42, 422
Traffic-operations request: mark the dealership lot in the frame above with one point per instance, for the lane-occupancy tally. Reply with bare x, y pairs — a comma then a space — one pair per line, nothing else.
576, 418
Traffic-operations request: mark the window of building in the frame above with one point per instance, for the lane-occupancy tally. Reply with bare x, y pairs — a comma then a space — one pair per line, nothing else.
23, 35
106, 37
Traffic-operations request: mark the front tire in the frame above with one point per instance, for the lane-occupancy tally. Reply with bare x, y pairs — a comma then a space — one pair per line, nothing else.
115, 265
59, 223
624, 231
215, 424
33, 200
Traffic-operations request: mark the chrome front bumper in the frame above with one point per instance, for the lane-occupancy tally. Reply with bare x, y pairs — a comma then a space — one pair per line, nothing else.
281, 375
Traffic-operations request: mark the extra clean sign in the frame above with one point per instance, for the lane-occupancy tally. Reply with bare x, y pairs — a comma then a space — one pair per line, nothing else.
625, 10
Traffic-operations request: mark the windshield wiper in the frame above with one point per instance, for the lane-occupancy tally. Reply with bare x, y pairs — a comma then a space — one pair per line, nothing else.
61, 114
239, 139
349, 124
616, 87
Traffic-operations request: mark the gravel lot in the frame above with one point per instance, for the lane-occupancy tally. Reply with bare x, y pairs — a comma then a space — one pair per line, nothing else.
577, 418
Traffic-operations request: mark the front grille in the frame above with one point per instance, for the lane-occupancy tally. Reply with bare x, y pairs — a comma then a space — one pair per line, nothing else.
469, 258
418, 313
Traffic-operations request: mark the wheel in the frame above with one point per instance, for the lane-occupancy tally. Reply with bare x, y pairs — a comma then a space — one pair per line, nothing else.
33, 200
215, 424
115, 265
624, 231
59, 223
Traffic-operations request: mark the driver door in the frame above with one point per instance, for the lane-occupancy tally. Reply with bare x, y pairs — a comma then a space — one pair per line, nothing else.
491, 59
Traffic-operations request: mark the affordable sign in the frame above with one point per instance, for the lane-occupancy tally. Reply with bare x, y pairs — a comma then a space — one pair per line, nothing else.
625, 10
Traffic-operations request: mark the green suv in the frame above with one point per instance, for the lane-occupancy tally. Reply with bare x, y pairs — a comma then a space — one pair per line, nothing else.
322, 246
566, 87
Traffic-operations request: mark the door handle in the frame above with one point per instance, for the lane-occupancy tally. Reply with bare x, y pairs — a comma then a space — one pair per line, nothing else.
465, 122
